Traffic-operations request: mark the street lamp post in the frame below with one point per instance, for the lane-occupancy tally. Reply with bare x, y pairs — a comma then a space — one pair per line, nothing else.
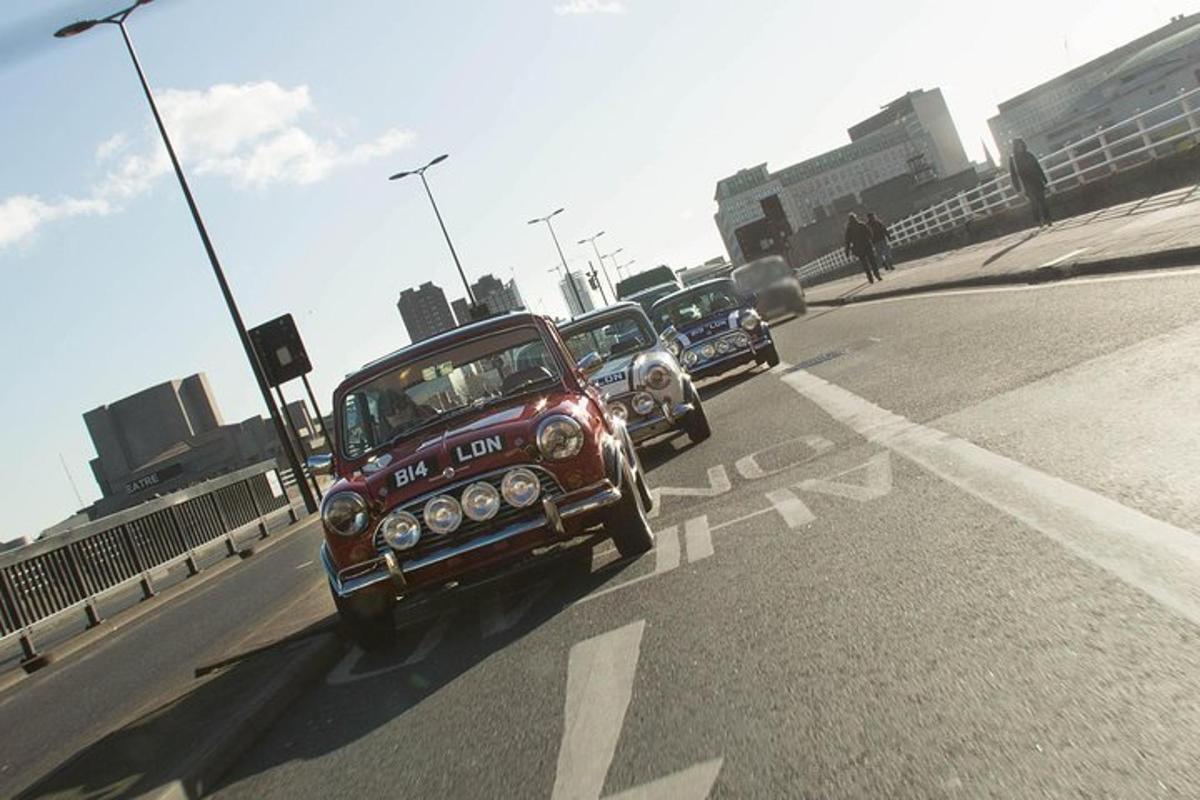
613, 256
421, 174
626, 265
600, 258
566, 270
118, 18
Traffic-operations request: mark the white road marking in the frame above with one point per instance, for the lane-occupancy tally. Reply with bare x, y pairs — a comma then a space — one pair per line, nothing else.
1151, 555
666, 550
600, 674
344, 672
793, 510
749, 468
741, 519
305, 564
698, 537
718, 484
494, 619
1063, 258
1147, 275
878, 481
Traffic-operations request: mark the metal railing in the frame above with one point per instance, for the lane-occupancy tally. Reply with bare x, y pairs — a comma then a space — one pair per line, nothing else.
71, 572
1160, 131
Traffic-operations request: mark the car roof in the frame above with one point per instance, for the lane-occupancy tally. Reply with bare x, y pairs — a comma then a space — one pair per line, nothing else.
583, 319
695, 287
649, 289
500, 322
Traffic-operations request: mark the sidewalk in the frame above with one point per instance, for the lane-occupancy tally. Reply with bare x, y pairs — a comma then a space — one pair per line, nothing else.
181, 749
1153, 233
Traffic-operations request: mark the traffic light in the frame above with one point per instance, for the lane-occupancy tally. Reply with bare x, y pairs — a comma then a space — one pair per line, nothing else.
595, 284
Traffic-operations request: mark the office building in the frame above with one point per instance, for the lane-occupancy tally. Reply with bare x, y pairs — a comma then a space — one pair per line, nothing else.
498, 296
585, 293
1135, 77
425, 311
912, 138
462, 311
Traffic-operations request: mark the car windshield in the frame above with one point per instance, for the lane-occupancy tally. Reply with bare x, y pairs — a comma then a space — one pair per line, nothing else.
610, 336
695, 304
648, 298
423, 392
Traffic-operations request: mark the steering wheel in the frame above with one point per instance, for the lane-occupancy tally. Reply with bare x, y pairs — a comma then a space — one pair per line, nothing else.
524, 377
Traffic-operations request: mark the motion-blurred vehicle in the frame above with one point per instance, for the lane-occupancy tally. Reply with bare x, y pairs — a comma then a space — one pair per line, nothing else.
461, 459
711, 328
661, 275
773, 284
640, 378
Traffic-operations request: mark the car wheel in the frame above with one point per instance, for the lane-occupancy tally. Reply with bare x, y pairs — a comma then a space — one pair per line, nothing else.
769, 356
368, 619
695, 424
627, 524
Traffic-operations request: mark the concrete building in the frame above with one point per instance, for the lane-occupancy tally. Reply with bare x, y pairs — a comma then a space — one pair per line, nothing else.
172, 435
585, 293
1135, 77
425, 311
462, 311
912, 136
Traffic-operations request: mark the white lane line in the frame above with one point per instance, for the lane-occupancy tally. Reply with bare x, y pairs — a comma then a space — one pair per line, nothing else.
793, 510
1147, 275
305, 564
666, 558
698, 537
344, 672
718, 484
1151, 555
693, 783
741, 519
432, 638
600, 674
1063, 258
878, 481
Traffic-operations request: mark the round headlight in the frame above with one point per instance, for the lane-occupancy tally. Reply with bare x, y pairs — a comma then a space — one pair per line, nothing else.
480, 501
618, 410
724, 346
643, 403
657, 377
559, 437
707, 351
741, 339
520, 487
750, 320
443, 514
400, 530
690, 358
673, 348
345, 513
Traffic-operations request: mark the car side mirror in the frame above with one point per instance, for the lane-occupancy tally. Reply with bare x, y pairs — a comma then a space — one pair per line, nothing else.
590, 363
320, 464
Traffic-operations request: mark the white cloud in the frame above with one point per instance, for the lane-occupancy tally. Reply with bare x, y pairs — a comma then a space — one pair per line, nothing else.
590, 7
250, 134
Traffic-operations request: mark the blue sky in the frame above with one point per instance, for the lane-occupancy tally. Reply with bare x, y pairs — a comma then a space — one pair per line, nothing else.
290, 116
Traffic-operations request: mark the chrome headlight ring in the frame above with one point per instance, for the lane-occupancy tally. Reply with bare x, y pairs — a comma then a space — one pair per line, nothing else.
559, 437
345, 513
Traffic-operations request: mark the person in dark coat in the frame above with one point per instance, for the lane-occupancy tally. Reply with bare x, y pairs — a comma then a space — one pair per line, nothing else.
1027, 176
881, 238
858, 241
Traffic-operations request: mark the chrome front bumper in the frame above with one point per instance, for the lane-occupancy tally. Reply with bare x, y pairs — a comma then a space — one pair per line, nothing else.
389, 566
665, 418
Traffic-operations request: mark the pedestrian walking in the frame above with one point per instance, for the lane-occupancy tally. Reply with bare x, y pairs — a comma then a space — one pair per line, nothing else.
858, 241
881, 237
1028, 176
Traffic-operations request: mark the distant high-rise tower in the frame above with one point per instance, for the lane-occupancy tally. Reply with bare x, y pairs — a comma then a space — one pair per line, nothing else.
425, 311
585, 294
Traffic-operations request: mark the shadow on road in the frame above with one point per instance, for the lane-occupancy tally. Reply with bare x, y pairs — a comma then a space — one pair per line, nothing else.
1001, 253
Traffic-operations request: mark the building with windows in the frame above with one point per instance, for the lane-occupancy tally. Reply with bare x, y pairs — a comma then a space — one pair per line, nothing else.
462, 311
912, 136
425, 311
579, 278
1120, 84
498, 296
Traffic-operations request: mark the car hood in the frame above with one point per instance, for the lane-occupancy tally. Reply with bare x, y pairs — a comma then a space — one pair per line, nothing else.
615, 375
488, 439
709, 326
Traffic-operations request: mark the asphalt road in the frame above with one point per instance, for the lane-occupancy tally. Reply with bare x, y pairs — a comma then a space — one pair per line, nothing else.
56, 712
947, 550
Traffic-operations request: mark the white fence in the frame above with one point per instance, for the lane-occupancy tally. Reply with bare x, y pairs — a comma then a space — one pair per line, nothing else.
1160, 131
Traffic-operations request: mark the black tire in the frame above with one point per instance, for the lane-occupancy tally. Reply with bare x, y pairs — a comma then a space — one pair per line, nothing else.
368, 619
769, 356
627, 524
695, 424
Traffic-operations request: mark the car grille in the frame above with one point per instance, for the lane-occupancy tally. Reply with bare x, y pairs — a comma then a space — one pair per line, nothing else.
470, 528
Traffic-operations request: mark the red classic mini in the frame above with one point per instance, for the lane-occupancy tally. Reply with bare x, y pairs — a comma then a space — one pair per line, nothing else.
464, 457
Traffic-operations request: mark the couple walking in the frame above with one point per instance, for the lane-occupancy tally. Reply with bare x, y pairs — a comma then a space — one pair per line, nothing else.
870, 243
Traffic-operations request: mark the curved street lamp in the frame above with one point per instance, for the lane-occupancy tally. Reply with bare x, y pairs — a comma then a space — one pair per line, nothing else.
566, 271
421, 174
118, 18
603, 269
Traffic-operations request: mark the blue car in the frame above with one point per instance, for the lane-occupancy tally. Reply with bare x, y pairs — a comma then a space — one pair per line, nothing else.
711, 329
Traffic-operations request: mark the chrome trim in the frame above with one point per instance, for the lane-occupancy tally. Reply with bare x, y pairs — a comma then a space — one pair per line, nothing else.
348, 586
